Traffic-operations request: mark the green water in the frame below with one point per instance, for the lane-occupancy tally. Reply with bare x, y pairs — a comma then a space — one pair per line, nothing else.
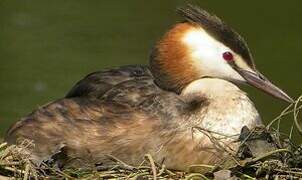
46, 46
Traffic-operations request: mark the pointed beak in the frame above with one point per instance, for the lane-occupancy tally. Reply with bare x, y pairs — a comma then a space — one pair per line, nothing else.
259, 81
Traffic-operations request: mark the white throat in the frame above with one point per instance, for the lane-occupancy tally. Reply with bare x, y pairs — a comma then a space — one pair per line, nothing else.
212, 88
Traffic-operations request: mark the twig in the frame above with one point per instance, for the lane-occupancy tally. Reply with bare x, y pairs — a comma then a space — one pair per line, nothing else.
247, 176
290, 171
3, 145
162, 170
269, 154
219, 145
26, 173
4, 177
214, 132
296, 113
195, 176
13, 170
124, 165
140, 175
283, 113
153, 167
291, 131
10, 164
202, 166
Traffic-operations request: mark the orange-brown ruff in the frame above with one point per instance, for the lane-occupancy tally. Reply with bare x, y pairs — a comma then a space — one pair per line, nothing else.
183, 109
171, 71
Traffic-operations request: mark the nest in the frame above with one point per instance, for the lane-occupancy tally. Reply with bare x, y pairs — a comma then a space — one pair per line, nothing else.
264, 153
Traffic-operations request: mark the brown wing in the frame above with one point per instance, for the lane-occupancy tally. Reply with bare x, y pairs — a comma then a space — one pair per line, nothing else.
98, 83
81, 132
80, 128
126, 122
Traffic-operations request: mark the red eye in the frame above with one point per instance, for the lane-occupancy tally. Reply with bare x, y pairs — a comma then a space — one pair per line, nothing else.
228, 56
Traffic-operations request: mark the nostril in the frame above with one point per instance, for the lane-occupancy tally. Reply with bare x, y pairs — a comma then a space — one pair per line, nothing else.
261, 77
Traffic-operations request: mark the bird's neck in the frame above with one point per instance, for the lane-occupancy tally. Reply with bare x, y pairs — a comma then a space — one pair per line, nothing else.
170, 62
211, 89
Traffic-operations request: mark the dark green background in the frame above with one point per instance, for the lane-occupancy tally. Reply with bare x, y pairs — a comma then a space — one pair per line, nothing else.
46, 46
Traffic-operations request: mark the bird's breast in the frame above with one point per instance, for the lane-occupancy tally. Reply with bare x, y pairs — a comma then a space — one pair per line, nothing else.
212, 132
228, 116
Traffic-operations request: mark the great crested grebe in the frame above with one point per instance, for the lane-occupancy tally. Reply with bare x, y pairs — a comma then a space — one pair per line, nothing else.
172, 109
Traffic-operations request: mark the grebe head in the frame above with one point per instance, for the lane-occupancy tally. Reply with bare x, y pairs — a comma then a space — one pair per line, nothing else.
204, 46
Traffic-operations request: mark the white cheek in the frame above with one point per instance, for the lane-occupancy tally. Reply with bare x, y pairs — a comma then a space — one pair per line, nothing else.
207, 54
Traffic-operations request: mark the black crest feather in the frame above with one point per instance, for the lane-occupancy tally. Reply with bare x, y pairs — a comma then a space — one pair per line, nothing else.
218, 29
